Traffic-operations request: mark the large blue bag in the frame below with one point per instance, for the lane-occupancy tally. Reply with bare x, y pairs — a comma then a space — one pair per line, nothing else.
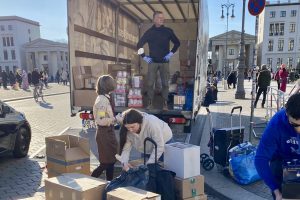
241, 163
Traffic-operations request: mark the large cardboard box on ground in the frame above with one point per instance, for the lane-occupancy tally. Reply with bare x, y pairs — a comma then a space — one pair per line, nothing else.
67, 154
80, 73
74, 187
131, 193
200, 197
84, 98
183, 159
190, 187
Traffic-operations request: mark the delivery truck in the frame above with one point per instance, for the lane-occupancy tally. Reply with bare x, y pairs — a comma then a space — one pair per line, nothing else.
103, 36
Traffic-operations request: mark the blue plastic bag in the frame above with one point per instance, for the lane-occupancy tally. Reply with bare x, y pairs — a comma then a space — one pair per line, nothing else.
241, 164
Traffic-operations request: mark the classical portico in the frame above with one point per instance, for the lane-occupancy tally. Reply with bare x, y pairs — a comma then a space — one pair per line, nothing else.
46, 55
218, 48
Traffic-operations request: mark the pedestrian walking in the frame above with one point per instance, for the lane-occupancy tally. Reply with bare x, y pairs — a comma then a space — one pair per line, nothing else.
279, 142
45, 79
57, 77
104, 118
4, 79
277, 78
64, 77
12, 80
249, 74
18, 79
29, 78
283, 75
263, 81
25, 84
158, 38
231, 79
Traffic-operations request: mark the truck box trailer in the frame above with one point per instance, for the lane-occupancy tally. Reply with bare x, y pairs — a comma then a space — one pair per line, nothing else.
103, 35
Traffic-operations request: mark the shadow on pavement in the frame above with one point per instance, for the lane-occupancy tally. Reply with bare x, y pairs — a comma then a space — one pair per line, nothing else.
46, 105
20, 178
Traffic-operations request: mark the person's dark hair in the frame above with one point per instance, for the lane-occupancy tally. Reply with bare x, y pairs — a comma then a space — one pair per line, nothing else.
293, 106
131, 116
156, 13
105, 84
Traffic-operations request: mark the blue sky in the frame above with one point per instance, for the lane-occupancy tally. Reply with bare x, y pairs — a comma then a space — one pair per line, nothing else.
52, 16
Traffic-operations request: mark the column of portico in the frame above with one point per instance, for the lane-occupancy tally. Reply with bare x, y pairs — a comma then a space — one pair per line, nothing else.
37, 62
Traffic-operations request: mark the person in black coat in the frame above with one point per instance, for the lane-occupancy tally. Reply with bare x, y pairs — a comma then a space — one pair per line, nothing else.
4, 79
231, 79
12, 78
29, 78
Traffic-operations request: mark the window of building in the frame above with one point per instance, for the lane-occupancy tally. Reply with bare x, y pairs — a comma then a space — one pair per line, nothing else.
7, 41
291, 45
13, 55
28, 31
31, 56
281, 28
11, 41
276, 29
29, 39
4, 41
9, 27
269, 62
299, 45
66, 58
282, 13
292, 27
231, 51
2, 28
293, 13
271, 29
272, 14
290, 62
279, 61
270, 45
5, 54
61, 57
45, 57
280, 44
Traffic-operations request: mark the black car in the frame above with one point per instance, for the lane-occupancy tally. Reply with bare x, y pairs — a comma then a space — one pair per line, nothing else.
15, 131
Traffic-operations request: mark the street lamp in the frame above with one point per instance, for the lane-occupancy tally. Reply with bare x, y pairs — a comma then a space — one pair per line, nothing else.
240, 90
227, 6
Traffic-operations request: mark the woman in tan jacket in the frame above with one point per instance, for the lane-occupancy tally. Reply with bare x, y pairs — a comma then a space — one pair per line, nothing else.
105, 119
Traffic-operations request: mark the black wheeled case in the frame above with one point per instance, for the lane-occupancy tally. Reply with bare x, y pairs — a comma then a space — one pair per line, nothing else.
226, 138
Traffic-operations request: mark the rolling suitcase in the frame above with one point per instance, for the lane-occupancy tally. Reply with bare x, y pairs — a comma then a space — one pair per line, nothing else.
226, 138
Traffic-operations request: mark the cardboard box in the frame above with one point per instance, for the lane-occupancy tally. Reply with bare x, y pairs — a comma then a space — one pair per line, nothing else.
200, 197
74, 186
179, 100
81, 100
66, 154
90, 83
114, 68
131, 193
183, 159
190, 187
80, 73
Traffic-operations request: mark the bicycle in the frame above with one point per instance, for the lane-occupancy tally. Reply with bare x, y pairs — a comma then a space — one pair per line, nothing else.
38, 91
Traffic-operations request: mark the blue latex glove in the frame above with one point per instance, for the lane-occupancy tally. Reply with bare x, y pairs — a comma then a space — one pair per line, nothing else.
147, 59
168, 56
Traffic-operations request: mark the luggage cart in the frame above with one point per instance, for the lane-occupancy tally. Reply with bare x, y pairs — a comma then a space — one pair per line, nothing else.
221, 140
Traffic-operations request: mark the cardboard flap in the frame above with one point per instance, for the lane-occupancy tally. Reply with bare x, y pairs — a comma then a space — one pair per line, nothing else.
75, 153
55, 148
133, 194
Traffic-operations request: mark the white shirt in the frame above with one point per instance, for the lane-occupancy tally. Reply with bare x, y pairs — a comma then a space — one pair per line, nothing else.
154, 128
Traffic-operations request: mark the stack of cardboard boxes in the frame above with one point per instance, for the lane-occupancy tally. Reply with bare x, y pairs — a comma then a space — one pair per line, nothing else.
179, 101
184, 160
122, 80
135, 97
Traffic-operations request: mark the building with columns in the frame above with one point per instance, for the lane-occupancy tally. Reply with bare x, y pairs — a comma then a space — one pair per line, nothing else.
217, 45
279, 35
46, 55
14, 33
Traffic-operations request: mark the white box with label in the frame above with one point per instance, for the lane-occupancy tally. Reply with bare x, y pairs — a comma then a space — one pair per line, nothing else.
183, 159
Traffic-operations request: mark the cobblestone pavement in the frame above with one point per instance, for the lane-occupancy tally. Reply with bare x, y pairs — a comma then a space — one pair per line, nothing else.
24, 178
12, 94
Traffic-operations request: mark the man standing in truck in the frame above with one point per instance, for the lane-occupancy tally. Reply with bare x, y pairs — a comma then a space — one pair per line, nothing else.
158, 38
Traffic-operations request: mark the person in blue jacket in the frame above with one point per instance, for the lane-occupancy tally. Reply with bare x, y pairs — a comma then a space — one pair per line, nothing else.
280, 141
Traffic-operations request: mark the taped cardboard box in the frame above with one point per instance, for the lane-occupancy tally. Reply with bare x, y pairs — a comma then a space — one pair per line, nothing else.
90, 83
81, 100
74, 186
183, 159
190, 187
200, 197
66, 154
131, 193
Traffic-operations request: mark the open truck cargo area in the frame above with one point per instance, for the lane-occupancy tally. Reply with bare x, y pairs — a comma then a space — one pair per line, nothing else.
103, 36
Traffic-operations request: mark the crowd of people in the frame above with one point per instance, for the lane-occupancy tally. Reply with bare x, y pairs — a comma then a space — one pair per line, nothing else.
22, 79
